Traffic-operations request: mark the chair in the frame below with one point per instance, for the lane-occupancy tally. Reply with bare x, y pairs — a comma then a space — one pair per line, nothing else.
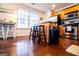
33, 32
41, 34
10, 31
38, 32
1, 31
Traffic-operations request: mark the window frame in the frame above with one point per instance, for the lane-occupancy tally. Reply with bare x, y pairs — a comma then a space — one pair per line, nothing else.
28, 19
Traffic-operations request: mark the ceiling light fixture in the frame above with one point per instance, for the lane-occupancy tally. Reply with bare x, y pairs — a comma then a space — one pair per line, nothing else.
53, 5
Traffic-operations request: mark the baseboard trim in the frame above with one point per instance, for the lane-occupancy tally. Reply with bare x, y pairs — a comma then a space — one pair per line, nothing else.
22, 36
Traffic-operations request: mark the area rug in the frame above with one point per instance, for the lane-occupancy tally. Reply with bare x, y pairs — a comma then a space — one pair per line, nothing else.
73, 49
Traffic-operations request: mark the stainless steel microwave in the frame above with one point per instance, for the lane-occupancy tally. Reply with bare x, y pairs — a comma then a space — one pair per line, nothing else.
71, 15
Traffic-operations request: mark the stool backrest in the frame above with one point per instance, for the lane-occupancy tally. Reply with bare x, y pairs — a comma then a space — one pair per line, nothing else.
35, 28
41, 28
10, 27
1, 27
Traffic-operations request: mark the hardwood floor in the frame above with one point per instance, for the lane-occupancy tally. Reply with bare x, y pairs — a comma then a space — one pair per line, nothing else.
22, 46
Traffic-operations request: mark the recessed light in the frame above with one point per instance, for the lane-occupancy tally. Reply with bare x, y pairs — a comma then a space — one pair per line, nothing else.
33, 3
53, 5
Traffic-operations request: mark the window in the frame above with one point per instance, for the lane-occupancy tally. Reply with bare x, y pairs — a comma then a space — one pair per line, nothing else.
26, 19
22, 19
33, 19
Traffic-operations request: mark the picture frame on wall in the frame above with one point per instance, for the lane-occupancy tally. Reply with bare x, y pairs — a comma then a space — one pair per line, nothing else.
41, 18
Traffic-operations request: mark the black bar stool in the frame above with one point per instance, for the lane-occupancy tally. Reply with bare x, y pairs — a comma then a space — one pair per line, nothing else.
41, 34
31, 31
34, 32
38, 32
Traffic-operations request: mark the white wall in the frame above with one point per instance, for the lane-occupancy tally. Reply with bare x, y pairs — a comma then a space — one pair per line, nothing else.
13, 17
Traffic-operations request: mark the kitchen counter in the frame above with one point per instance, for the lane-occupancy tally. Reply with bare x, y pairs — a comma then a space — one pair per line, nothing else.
47, 26
6, 23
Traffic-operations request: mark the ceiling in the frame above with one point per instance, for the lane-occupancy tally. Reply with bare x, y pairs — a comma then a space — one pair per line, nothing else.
44, 7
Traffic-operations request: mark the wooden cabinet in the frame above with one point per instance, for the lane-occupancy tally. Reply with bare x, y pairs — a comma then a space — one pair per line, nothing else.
60, 30
78, 31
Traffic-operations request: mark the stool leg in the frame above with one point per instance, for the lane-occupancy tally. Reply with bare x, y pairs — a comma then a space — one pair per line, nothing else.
14, 34
30, 33
3, 34
41, 30
44, 35
10, 30
7, 33
39, 36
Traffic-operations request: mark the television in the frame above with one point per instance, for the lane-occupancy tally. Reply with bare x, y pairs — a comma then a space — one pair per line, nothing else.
53, 19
